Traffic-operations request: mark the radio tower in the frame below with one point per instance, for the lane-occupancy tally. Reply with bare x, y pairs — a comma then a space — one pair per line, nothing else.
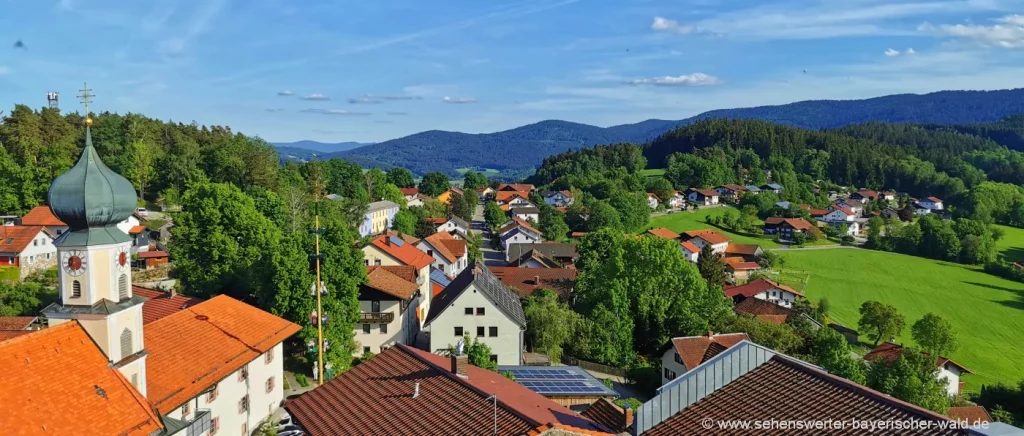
52, 100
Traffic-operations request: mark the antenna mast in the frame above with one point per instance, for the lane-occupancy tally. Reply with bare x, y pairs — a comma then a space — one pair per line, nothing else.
317, 188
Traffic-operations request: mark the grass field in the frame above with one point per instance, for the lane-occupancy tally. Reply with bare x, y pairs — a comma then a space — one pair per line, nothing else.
986, 311
1011, 245
489, 172
695, 220
651, 172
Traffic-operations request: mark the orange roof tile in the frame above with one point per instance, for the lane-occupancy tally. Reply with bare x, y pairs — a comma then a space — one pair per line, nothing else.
521, 187
388, 282
409, 191
405, 253
711, 236
232, 334
742, 249
694, 350
41, 216
14, 239
160, 303
795, 223
506, 196
136, 230
972, 414
689, 246
742, 266
662, 232
8, 334
16, 322
56, 381
447, 246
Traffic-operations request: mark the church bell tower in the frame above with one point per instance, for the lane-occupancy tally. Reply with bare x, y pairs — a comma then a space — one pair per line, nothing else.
94, 276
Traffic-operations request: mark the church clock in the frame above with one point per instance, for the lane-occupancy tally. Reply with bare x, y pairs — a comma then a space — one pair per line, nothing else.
73, 262
122, 260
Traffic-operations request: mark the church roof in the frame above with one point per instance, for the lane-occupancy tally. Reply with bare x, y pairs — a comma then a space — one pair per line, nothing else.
56, 381
91, 197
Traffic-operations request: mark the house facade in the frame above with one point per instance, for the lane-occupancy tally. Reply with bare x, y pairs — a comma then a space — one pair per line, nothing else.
25, 250
699, 238
764, 289
703, 197
786, 227
690, 251
653, 201
677, 201
930, 203
558, 198
518, 231
731, 191
525, 213
378, 218
449, 254
680, 355
387, 309
390, 250
478, 305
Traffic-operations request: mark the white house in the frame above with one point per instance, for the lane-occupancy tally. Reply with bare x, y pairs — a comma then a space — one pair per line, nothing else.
25, 250
133, 220
690, 251
704, 197
854, 206
931, 203
478, 305
774, 187
558, 198
699, 238
515, 202
652, 200
525, 213
677, 201
948, 370
519, 231
680, 355
384, 303
453, 225
389, 249
378, 218
839, 213
449, 254
410, 193
764, 289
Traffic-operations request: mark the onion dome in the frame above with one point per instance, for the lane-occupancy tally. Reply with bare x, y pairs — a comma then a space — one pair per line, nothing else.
91, 196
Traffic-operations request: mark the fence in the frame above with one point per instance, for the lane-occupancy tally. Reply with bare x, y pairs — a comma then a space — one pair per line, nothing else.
596, 367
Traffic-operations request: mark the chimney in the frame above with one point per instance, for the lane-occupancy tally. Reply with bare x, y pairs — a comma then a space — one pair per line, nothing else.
711, 334
416, 391
459, 364
173, 293
536, 280
628, 415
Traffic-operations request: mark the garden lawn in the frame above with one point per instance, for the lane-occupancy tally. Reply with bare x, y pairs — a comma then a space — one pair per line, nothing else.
986, 311
652, 172
680, 222
1011, 246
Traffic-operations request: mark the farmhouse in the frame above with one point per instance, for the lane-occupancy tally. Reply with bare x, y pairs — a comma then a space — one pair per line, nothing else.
700, 238
690, 251
558, 198
730, 191
703, 197
677, 201
680, 355
786, 227
662, 232
764, 289
518, 231
25, 250
930, 203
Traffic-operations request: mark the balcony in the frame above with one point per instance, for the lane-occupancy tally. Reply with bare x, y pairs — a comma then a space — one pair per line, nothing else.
200, 424
377, 317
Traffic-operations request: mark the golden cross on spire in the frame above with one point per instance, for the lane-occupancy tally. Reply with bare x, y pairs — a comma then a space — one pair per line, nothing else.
86, 98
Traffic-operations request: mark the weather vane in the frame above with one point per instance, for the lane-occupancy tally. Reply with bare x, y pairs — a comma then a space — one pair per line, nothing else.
86, 97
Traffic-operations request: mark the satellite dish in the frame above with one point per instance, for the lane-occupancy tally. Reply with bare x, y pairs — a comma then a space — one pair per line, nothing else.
459, 347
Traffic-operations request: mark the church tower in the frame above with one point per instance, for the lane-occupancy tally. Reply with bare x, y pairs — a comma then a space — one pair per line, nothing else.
94, 279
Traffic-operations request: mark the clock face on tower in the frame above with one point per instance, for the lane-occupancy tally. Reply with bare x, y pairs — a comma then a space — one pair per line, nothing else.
73, 262
122, 260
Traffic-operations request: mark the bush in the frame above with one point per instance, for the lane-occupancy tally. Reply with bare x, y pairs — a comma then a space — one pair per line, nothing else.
1005, 270
301, 379
847, 240
608, 382
646, 375
628, 403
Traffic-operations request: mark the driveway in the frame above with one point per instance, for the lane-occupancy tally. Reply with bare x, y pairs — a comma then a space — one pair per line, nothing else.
492, 257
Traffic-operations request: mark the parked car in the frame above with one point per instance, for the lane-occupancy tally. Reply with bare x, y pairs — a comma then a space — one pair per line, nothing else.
143, 211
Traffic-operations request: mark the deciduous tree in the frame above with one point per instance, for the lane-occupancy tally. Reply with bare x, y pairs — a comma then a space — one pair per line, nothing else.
935, 335
880, 321
433, 184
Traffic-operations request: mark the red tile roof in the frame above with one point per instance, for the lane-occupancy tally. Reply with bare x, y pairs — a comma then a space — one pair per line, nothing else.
406, 253
742, 266
794, 223
742, 249
662, 232
14, 239
842, 209
376, 397
8, 334
524, 280
447, 246
152, 254
522, 187
867, 193
784, 388
232, 334
41, 216
694, 350
507, 196
758, 286
734, 188
705, 192
971, 414
711, 236
16, 322
56, 381
160, 304
577, 234
136, 230
385, 280
890, 352
764, 310
689, 246
409, 191
436, 221
563, 430
606, 413
935, 199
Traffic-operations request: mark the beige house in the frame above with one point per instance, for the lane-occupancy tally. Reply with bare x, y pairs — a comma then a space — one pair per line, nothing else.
385, 300
391, 250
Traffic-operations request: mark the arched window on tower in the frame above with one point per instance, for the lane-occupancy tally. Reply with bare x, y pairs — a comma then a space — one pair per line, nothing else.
76, 289
122, 287
126, 343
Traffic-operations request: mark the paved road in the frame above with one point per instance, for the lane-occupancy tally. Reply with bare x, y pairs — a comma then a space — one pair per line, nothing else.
492, 257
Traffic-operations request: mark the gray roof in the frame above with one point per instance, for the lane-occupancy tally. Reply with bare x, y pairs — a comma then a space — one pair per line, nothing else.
549, 249
102, 307
525, 209
460, 222
488, 284
381, 205
91, 195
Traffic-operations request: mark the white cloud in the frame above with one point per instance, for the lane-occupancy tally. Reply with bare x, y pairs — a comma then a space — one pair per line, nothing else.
1008, 33
398, 113
398, 97
275, 110
662, 24
910, 51
285, 93
458, 100
333, 112
891, 52
315, 97
363, 100
695, 79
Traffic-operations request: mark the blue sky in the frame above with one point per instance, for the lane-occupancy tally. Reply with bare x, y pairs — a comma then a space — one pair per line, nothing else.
376, 70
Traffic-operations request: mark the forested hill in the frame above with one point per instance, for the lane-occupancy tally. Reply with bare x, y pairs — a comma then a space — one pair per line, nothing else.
518, 151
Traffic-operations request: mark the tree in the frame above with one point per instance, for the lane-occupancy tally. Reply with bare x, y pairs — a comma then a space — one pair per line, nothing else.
911, 378
475, 243
711, 266
603, 215
634, 211
831, 351
473, 180
433, 184
23, 299
478, 353
493, 215
935, 335
144, 153
661, 187
552, 224
551, 324
401, 177
375, 181
404, 222
221, 242
875, 227
458, 206
779, 337
391, 193
880, 321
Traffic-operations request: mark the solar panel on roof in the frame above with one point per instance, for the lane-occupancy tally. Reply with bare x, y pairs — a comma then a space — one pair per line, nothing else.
397, 241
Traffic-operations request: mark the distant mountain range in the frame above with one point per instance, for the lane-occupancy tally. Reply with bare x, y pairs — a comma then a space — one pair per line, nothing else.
519, 151
303, 150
